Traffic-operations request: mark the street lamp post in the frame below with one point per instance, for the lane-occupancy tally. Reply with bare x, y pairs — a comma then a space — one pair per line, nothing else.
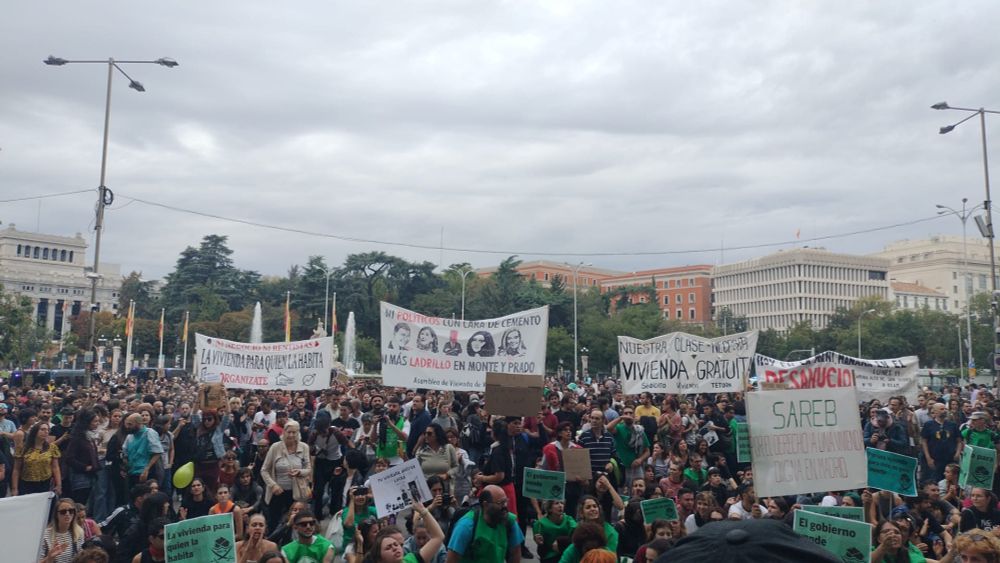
987, 205
966, 275
863, 313
576, 339
104, 196
327, 313
465, 273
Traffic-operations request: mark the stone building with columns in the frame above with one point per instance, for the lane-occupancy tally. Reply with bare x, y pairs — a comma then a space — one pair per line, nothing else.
52, 271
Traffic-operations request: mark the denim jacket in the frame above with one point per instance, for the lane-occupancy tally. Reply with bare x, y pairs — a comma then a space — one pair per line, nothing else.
218, 436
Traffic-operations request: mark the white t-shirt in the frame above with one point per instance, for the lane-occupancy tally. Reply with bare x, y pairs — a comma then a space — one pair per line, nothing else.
265, 419
736, 510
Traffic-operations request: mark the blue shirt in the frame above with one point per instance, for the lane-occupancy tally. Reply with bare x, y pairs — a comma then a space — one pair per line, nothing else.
601, 449
139, 447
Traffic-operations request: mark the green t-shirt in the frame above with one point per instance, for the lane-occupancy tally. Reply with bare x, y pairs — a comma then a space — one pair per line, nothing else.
391, 447
698, 477
915, 555
488, 543
571, 555
297, 552
359, 517
983, 439
731, 448
549, 531
626, 453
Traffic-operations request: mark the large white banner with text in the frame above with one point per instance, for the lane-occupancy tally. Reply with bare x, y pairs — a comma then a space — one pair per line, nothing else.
686, 364
873, 379
806, 441
439, 353
304, 364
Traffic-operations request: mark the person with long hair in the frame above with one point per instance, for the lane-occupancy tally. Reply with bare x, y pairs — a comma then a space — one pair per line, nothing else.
36, 465
359, 508
588, 536
632, 531
114, 440
706, 509
550, 527
286, 472
974, 546
81, 455
427, 340
209, 445
247, 494
388, 548
63, 538
196, 501
891, 547
89, 526
436, 455
590, 511
982, 513
481, 345
552, 460
136, 538
256, 544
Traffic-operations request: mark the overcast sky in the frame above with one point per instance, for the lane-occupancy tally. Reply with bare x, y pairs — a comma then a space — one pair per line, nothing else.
531, 127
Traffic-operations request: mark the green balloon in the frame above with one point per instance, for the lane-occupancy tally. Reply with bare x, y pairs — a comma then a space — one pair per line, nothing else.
184, 475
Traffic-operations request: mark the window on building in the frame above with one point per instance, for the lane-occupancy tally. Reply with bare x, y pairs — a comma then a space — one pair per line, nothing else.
945, 302
691, 298
954, 275
19, 250
680, 314
70, 255
62, 255
666, 300
35, 252
691, 313
45, 254
876, 275
954, 289
678, 299
546, 276
982, 281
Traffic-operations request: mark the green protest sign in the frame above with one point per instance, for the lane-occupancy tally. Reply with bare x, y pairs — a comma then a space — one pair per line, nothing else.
848, 540
892, 472
544, 485
208, 539
976, 467
855, 513
742, 442
658, 509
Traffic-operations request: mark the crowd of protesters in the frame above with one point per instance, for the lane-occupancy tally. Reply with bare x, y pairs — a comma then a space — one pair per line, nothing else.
293, 469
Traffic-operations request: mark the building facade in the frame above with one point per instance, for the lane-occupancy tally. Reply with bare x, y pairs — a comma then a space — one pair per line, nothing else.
51, 270
544, 271
682, 293
912, 297
939, 263
800, 285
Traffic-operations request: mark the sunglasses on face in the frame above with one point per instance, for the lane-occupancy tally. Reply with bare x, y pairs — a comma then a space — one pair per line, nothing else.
65, 511
306, 523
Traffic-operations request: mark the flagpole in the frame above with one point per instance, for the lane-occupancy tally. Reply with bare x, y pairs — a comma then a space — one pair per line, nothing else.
129, 329
159, 359
333, 316
288, 316
184, 361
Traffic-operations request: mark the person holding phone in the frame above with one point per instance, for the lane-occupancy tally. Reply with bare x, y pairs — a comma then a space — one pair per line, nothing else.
359, 507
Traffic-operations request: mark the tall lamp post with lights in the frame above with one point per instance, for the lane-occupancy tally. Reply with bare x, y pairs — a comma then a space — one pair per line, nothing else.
987, 228
963, 216
104, 196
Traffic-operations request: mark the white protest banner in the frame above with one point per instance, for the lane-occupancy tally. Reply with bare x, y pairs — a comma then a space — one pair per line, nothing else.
873, 379
806, 441
304, 364
24, 519
452, 354
686, 364
395, 488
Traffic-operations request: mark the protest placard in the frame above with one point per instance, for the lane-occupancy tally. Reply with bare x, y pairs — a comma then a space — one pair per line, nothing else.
855, 513
976, 467
281, 366
806, 440
872, 379
685, 363
24, 519
543, 485
207, 538
455, 355
658, 509
848, 540
892, 472
513, 394
743, 443
211, 396
576, 463
395, 488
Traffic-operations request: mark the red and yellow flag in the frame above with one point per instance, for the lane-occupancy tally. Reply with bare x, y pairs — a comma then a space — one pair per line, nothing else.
130, 319
184, 335
160, 333
333, 317
288, 316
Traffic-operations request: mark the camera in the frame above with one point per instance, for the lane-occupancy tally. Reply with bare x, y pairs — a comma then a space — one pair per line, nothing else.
446, 499
361, 491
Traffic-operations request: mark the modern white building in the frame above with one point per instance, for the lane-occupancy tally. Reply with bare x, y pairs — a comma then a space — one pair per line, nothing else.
800, 285
52, 271
938, 264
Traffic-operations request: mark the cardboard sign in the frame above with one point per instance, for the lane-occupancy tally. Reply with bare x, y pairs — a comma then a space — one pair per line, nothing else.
513, 394
658, 509
892, 472
846, 539
395, 488
976, 467
806, 440
576, 462
211, 396
543, 485
208, 538
855, 513
743, 442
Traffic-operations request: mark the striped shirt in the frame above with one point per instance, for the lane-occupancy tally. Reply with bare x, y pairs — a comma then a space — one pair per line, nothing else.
601, 449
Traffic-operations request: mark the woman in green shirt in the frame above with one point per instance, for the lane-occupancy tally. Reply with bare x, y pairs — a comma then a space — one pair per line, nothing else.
550, 527
590, 511
891, 547
387, 547
357, 510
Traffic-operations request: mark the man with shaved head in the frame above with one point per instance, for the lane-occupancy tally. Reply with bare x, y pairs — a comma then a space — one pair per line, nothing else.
487, 533
142, 450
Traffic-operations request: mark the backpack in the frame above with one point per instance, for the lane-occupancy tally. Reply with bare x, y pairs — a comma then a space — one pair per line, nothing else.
472, 435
